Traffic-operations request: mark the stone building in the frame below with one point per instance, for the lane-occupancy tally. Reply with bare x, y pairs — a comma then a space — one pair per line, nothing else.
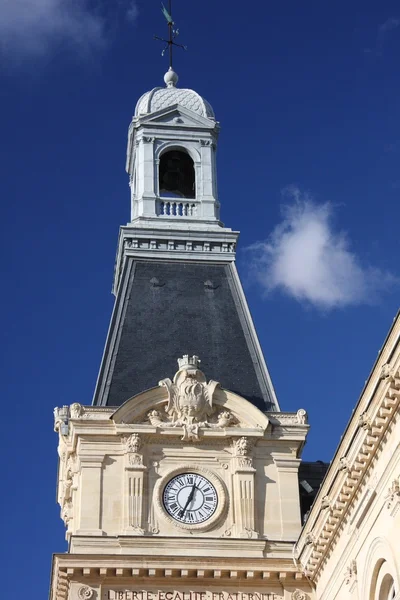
183, 480
180, 482
349, 547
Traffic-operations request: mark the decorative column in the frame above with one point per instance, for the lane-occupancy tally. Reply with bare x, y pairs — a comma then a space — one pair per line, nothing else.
244, 488
287, 470
90, 495
134, 487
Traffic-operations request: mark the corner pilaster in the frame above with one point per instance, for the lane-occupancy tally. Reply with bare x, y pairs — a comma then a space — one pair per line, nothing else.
287, 469
90, 494
146, 182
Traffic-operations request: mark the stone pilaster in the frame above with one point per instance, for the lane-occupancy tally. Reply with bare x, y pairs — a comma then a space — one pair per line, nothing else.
287, 470
90, 494
244, 489
135, 475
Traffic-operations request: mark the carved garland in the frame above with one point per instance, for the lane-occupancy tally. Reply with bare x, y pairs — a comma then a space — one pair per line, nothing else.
374, 427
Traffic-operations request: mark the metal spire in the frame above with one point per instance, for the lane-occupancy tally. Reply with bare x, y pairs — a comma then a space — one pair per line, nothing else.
173, 33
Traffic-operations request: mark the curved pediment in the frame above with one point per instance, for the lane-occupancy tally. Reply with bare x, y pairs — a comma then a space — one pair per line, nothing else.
244, 414
189, 404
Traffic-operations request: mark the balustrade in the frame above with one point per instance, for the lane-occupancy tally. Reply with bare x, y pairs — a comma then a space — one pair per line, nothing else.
177, 209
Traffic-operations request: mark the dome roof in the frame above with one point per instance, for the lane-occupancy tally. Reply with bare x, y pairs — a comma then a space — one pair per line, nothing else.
159, 98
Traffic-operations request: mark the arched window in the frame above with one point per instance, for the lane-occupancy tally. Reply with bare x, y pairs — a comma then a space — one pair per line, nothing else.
387, 590
384, 587
176, 175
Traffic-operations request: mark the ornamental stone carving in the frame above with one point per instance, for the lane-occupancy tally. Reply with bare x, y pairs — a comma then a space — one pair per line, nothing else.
386, 371
85, 592
190, 402
302, 416
351, 572
76, 410
242, 449
325, 502
189, 397
364, 421
60, 419
299, 595
243, 446
245, 461
224, 419
393, 495
298, 418
344, 464
133, 443
67, 512
309, 539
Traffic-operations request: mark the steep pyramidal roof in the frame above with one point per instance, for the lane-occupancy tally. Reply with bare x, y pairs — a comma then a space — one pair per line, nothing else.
169, 308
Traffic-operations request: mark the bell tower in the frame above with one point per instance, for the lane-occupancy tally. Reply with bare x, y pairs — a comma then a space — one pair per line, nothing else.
171, 158
180, 481
176, 285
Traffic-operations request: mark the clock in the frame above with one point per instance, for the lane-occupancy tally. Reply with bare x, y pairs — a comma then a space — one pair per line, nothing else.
190, 498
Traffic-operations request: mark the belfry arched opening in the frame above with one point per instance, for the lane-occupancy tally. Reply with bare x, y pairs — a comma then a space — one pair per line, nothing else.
176, 175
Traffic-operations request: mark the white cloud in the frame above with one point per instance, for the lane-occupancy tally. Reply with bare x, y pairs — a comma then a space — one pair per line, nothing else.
305, 258
388, 25
384, 30
132, 12
32, 28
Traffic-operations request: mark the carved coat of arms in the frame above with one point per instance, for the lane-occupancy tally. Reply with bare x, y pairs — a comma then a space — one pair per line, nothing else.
189, 401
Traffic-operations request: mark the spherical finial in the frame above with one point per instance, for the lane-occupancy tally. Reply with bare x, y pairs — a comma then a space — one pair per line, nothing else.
171, 78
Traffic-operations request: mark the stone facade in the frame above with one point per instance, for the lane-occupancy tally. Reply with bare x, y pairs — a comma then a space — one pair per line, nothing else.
115, 464
349, 547
130, 535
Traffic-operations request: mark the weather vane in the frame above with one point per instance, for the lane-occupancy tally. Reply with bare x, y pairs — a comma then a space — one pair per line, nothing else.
173, 33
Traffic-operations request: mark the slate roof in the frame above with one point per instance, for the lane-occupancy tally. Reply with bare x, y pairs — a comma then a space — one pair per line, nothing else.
168, 309
313, 474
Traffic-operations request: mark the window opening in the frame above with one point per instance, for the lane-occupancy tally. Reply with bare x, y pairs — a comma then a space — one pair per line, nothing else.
176, 176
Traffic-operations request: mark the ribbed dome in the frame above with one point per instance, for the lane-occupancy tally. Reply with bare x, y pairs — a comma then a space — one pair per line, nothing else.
159, 98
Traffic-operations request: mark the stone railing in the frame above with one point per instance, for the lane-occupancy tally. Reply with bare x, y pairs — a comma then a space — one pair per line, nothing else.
177, 208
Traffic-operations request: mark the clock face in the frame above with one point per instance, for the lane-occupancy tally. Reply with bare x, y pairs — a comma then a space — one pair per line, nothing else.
190, 498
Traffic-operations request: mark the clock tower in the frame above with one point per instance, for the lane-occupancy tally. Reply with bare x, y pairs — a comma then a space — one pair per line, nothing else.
180, 481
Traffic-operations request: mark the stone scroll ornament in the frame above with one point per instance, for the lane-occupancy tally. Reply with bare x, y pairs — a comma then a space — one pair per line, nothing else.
85, 592
190, 401
299, 595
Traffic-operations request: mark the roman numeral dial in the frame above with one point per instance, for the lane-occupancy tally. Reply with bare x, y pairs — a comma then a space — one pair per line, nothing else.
190, 498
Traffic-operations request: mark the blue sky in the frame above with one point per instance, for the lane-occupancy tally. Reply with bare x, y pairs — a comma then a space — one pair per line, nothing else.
307, 96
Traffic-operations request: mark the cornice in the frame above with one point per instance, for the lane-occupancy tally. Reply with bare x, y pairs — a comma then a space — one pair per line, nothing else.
365, 435
166, 571
177, 240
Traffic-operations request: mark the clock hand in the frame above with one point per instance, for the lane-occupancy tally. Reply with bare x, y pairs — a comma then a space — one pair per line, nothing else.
190, 498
